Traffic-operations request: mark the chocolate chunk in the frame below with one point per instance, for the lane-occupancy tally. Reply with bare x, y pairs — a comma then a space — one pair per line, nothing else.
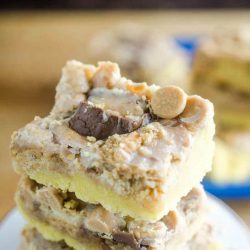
83, 232
93, 121
105, 246
36, 206
126, 238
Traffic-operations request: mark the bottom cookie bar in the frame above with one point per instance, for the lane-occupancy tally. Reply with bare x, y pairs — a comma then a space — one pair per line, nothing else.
60, 215
31, 239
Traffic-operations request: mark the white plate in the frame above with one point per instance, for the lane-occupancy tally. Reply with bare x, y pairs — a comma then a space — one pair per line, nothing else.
231, 232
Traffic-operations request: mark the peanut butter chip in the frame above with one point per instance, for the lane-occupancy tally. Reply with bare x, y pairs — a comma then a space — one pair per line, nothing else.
101, 221
171, 220
195, 112
168, 102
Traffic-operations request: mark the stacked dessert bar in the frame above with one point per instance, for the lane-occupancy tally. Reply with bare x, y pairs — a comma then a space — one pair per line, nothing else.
115, 165
221, 74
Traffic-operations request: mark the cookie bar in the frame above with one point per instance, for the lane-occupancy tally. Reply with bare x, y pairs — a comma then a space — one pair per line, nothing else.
221, 74
33, 240
232, 108
223, 59
133, 148
232, 157
70, 218
142, 54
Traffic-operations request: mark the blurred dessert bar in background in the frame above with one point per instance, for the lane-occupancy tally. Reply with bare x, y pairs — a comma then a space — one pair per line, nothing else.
232, 157
221, 73
142, 54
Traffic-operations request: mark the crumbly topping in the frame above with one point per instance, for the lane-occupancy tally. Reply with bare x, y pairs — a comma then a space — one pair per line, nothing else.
106, 76
107, 84
73, 85
195, 114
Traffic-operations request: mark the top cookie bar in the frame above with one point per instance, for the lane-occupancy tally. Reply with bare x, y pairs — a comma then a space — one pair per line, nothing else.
133, 148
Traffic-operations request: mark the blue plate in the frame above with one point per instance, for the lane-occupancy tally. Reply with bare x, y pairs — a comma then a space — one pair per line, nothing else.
189, 44
224, 191
228, 191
